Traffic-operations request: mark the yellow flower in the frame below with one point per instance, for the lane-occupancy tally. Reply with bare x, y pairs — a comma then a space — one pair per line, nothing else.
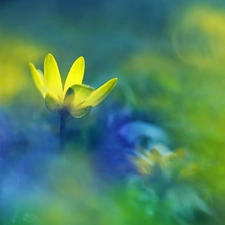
147, 161
74, 99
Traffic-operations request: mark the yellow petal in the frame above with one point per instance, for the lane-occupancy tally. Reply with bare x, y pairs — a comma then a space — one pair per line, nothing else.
76, 73
38, 78
69, 98
100, 94
80, 112
52, 103
52, 77
81, 93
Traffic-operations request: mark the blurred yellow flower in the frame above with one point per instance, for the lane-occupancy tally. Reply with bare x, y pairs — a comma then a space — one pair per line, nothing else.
74, 99
158, 156
176, 163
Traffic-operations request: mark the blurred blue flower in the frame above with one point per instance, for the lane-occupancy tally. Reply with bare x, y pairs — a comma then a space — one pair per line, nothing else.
114, 137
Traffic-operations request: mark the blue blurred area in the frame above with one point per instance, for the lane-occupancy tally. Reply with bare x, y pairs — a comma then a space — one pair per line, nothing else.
96, 29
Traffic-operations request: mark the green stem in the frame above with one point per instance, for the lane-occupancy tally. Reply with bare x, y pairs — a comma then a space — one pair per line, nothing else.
62, 134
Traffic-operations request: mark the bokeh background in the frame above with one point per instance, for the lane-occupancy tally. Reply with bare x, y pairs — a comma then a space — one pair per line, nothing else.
153, 151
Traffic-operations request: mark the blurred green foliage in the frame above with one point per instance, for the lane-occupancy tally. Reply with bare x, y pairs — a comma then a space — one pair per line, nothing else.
75, 196
176, 81
183, 89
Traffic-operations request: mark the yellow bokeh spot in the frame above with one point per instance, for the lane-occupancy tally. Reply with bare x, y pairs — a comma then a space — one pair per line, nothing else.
199, 36
15, 53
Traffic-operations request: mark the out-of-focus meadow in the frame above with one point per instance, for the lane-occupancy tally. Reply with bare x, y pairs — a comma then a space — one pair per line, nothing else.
153, 151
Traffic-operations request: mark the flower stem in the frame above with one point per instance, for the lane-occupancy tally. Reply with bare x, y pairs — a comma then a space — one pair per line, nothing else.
62, 134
